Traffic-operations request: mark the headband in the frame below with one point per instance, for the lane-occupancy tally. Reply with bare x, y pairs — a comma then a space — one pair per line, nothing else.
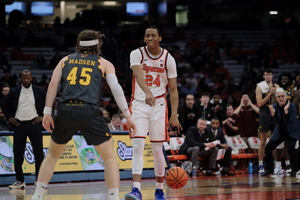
88, 43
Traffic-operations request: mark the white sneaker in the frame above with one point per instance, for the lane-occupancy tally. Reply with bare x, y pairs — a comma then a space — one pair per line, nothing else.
37, 198
278, 171
17, 185
261, 169
298, 174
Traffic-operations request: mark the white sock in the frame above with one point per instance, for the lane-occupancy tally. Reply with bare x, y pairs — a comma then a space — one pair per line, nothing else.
260, 162
40, 189
137, 185
159, 185
113, 194
287, 162
277, 164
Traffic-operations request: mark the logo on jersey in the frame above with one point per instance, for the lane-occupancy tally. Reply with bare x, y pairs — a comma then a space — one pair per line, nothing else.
84, 55
153, 69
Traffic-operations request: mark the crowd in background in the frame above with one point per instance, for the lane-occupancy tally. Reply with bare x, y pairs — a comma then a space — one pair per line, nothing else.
200, 66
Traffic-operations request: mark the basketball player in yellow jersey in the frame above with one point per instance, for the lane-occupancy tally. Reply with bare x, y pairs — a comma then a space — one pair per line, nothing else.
155, 73
265, 96
81, 76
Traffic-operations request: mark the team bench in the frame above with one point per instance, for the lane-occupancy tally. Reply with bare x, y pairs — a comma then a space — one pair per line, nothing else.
241, 153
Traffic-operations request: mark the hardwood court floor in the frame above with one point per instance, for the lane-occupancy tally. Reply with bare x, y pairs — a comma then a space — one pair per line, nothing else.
238, 187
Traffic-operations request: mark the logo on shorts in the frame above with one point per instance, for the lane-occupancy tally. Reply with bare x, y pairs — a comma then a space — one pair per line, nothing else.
124, 152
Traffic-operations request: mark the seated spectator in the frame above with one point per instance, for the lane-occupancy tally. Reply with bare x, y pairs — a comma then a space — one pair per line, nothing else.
218, 107
4, 90
206, 111
116, 123
188, 113
232, 123
248, 113
105, 115
199, 142
217, 133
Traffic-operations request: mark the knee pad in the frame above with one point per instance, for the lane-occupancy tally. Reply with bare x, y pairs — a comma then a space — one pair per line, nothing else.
137, 157
159, 159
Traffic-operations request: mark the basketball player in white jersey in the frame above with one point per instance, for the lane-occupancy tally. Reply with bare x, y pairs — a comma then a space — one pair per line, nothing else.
155, 73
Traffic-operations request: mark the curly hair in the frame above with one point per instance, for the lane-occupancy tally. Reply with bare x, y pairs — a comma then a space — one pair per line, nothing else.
86, 35
288, 75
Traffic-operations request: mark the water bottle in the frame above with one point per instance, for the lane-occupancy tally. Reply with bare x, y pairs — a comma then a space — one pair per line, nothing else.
250, 167
194, 171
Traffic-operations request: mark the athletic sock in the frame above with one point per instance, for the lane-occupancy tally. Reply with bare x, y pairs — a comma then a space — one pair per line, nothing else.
113, 194
277, 164
137, 185
40, 189
159, 185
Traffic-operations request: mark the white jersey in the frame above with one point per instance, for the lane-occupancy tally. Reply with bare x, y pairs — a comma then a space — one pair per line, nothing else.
157, 71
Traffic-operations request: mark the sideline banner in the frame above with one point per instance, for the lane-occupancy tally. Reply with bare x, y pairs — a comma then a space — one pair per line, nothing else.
77, 156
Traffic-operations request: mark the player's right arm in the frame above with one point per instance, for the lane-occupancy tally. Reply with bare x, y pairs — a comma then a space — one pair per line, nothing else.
135, 57
109, 70
261, 101
48, 123
139, 76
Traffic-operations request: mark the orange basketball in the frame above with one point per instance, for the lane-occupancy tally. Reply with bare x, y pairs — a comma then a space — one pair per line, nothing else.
176, 177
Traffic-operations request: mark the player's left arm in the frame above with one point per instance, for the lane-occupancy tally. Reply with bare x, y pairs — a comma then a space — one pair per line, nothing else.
174, 100
173, 121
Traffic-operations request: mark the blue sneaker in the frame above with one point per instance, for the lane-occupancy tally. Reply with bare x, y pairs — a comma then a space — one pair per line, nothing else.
159, 194
135, 194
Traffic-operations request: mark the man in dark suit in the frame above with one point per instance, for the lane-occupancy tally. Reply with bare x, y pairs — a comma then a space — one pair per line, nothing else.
286, 128
23, 108
217, 133
198, 142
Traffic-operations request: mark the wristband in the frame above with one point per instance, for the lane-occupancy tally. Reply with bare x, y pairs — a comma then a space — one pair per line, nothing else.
126, 112
47, 110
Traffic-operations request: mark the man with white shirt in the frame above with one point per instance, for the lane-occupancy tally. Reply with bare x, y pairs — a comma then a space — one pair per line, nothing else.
116, 123
23, 108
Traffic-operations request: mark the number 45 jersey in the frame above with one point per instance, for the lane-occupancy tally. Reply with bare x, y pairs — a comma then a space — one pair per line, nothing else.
156, 70
82, 78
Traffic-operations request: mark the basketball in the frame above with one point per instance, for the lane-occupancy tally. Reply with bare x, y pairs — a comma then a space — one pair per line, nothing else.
176, 177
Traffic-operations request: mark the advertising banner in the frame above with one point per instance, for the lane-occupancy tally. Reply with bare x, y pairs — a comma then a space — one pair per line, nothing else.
77, 156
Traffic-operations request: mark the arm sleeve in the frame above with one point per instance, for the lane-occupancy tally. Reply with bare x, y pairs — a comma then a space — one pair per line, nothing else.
118, 93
